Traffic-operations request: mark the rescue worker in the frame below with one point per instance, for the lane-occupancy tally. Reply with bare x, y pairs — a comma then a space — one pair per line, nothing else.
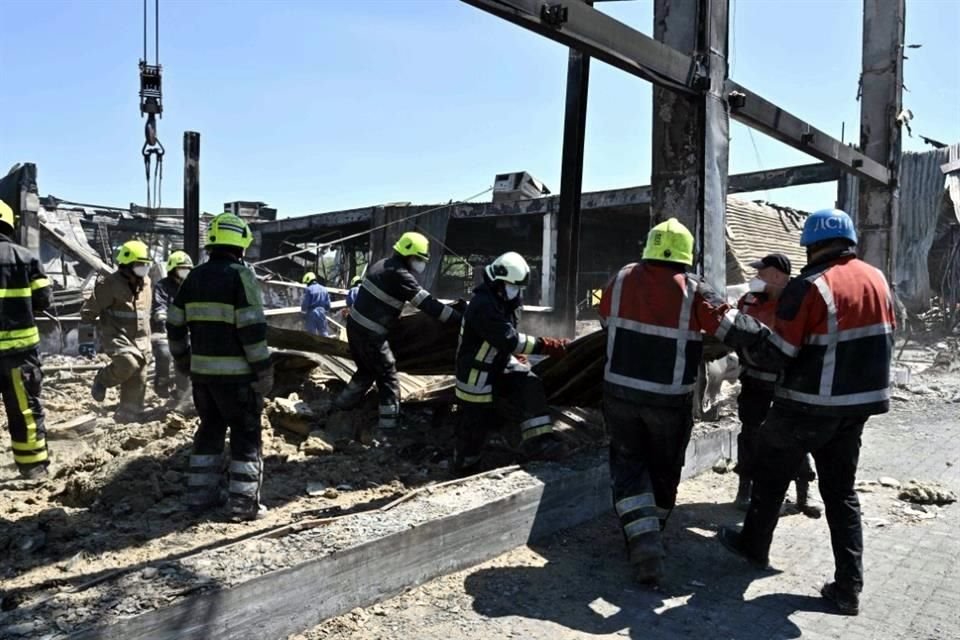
834, 339
493, 376
179, 265
756, 384
388, 285
352, 294
315, 305
24, 292
654, 312
217, 332
121, 301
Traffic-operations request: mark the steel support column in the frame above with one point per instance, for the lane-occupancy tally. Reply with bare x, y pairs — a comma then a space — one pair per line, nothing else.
691, 134
191, 194
881, 83
571, 186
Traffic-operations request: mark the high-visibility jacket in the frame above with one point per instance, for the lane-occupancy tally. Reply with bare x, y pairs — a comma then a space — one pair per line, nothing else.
163, 294
655, 313
24, 291
834, 329
388, 285
217, 324
764, 308
488, 340
122, 302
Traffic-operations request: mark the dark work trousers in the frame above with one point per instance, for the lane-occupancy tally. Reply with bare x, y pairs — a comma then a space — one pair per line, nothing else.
518, 400
787, 436
375, 363
753, 404
237, 407
647, 449
164, 371
20, 383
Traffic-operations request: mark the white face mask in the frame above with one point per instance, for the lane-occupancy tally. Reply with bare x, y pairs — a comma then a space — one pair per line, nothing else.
181, 273
418, 265
141, 270
512, 291
757, 285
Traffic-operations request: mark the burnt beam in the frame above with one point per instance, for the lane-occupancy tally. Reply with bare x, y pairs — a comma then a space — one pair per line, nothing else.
881, 92
191, 194
783, 177
579, 26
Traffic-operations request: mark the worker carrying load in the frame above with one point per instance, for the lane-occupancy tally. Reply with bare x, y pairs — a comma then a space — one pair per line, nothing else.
315, 305
388, 285
218, 334
493, 376
179, 265
24, 292
655, 313
120, 307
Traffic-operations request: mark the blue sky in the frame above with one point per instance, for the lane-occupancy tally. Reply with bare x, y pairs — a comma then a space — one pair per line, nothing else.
316, 105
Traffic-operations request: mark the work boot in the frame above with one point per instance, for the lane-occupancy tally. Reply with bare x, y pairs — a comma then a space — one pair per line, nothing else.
549, 446
742, 501
804, 504
732, 540
126, 415
389, 416
162, 391
846, 601
98, 390
35, 472
648, 571
243, 510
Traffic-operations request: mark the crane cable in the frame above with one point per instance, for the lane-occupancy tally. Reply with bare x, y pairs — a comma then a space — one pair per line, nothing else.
151, 105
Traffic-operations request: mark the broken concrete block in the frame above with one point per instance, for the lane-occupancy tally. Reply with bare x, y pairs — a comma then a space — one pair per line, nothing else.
889, 482
920, 492
317, 444
292, 414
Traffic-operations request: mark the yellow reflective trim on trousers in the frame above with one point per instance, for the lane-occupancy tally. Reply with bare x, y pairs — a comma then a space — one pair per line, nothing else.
20, 391
482, 353
210, 312
219, 365
257, 351
19, 338
480, 398
39, 283
15, 293
472, 378
27, 446
533, 433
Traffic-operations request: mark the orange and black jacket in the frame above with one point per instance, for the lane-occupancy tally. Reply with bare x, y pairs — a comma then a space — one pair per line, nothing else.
833, 339
24, 291
655, 314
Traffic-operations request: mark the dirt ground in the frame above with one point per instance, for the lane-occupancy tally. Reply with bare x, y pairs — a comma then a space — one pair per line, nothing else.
114, 502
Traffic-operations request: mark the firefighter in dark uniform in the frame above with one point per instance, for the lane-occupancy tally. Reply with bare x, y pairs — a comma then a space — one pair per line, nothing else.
179, 265
655, 312
387, 287
492, 373
24, 292
834, 339
756, 384
218, 333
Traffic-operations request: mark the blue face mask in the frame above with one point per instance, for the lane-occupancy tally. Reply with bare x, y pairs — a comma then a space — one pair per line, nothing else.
418, 265
512, 291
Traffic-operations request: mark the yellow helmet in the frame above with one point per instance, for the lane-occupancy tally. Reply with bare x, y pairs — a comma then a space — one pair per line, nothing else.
669, 241
133, 251
356, 280
228, 230
413, 244
6, 214
308, 277
179, 259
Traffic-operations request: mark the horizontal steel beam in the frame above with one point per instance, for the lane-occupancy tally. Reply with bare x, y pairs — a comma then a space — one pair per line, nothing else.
783, 177
575, 24
761, 114
581, 27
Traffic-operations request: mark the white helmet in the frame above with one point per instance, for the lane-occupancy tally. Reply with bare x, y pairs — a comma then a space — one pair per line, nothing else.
511, 268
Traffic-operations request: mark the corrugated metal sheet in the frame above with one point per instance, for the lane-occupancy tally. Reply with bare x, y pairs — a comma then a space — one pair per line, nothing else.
755, 229
922, 189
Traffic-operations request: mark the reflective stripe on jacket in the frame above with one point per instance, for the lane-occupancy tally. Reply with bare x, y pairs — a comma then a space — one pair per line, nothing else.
120, 305
163, 295
388, 285
488, 339
217, 322
835, 325
24, 291
654, 313
764, 308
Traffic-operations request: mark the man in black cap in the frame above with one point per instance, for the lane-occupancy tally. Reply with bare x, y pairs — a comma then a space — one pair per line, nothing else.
757, 385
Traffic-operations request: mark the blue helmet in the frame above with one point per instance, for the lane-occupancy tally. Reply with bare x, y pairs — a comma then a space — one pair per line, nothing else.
828, 224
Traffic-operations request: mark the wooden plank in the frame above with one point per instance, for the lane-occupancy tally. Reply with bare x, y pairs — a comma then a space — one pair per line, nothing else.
72, 429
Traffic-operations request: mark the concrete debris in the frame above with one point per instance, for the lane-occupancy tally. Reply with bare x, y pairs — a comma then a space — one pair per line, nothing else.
889, 482
725, 465
292, 414
922, 493
317, 444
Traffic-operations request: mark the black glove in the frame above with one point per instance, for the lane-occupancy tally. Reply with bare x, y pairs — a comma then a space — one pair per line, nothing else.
264, 382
